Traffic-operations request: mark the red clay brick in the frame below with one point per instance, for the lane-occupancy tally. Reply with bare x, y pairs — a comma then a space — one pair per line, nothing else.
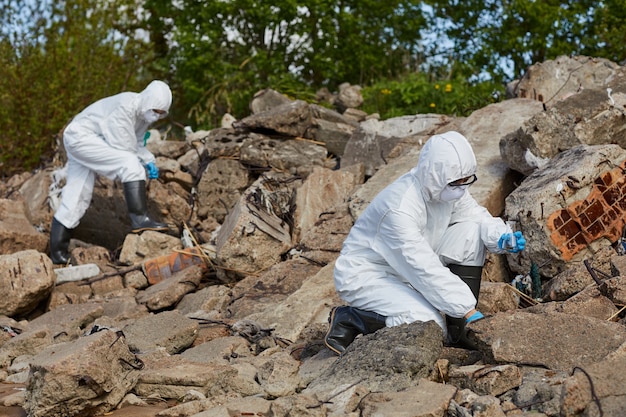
600, 215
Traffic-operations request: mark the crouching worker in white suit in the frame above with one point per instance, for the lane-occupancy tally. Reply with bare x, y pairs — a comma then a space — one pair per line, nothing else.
416, 253
107, 138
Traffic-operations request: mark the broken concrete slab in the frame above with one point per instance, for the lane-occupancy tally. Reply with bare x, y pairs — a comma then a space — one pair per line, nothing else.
295, 156
168, 330
570, 209
520, 337
308, 305
321, 192
269, 288
483, 129
257, 231
220, 187
591, 117
556, 79
607, 392
410, 352
88, 376
291, 119
173, 377
486, 379
170, 291
423, 400
138, 248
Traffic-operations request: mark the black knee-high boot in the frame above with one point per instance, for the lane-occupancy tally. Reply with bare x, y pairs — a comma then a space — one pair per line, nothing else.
136, 200
346, 323
59, 242
457, 335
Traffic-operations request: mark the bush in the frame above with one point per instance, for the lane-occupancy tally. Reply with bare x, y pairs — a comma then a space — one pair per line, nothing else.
417, 93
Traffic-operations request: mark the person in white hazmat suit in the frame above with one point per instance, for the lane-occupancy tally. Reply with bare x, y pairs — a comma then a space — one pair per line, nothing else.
108, 138
416, 252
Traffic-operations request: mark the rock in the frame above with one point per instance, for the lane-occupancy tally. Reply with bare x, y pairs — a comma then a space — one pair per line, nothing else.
607, 393
253, 293
497, 296
170, 291
139, 248
519, 338
425, 399
591, 117
26, 278
391, 359
331, 129
297, 157
570, 209
373, 140
266, 100
88, 376
308, 305
35, 191
168, 330
16, 231
321, 192
483, 129
220, 187
486, 380
290, 119
173, 377
554, 80
349, 97
256, 232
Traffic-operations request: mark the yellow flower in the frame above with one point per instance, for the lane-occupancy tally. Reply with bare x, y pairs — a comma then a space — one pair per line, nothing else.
436, 86
448, 88
385, 91
433, 105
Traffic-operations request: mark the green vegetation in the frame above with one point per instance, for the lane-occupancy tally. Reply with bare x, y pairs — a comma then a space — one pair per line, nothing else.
58, 57
419, 94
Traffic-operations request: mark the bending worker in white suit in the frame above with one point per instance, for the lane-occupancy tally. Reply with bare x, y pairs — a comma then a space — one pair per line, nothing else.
107, 138
416, 253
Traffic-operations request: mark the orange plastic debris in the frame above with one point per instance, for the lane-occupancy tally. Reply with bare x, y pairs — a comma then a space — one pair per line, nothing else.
157, 269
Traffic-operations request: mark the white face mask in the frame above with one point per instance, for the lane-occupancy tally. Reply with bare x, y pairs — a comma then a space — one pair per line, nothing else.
450, 193
151, 116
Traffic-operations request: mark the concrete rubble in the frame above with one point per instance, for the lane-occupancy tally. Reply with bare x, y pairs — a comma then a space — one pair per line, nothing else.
266, 202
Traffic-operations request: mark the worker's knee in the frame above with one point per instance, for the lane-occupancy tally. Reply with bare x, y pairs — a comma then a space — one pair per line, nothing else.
132, 170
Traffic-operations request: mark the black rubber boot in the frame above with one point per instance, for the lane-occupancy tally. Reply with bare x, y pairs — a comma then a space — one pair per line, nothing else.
59, 243
457, 334
136, 200
346, 323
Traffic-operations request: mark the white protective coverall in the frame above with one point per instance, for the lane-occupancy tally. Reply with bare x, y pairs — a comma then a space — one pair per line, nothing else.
393, 261
107, 138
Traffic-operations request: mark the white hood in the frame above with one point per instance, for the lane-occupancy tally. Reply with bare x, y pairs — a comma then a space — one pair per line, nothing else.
443, 159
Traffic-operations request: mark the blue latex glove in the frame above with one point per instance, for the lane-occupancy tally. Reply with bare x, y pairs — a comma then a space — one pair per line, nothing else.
153, 171
505, 242
476, 316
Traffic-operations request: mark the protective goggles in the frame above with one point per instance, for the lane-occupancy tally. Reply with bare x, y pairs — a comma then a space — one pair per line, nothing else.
464, 182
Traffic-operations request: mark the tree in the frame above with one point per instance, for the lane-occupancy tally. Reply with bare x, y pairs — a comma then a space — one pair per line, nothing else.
222, 52
501, 38
58, 57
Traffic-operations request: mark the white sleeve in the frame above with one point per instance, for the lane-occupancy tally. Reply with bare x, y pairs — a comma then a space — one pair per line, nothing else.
491, 228
142, 151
